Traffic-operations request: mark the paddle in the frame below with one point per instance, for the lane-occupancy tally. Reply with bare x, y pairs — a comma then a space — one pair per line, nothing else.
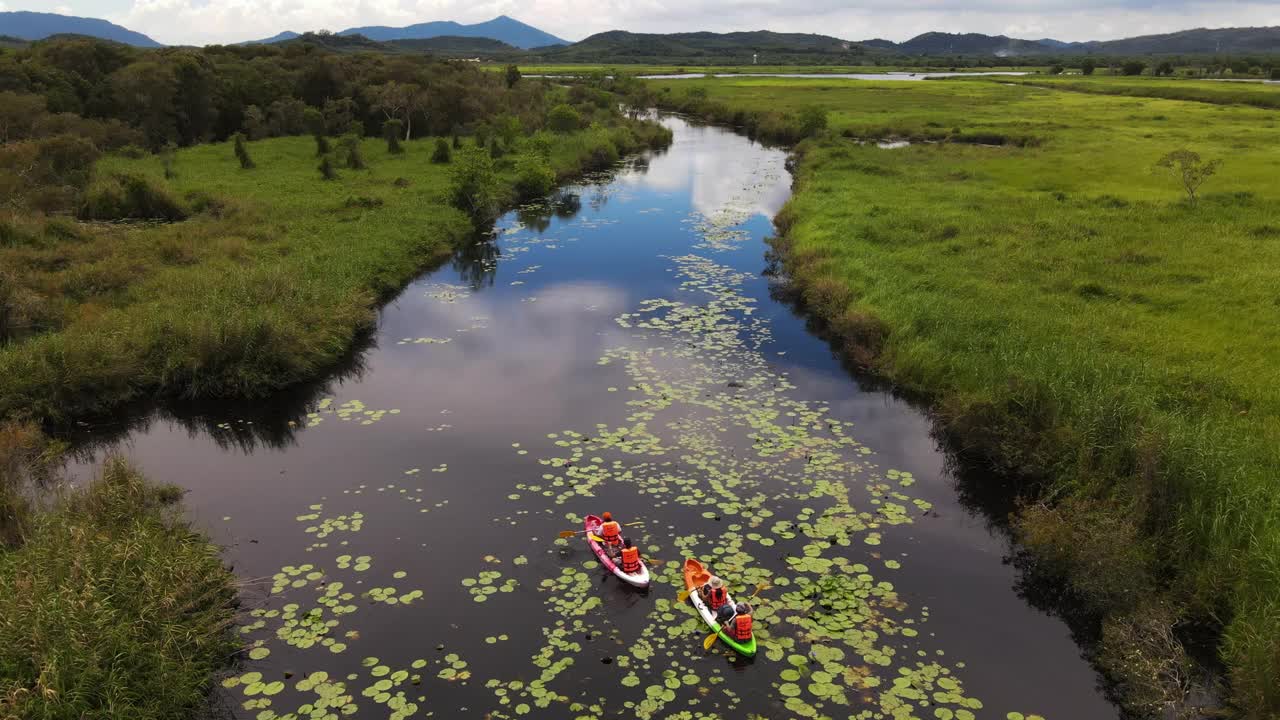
571, 533
711, 639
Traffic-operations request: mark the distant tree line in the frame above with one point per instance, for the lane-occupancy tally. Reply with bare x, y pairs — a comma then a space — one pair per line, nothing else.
110, 92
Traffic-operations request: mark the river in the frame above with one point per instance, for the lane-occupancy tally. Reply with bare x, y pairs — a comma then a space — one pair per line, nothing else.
618, 347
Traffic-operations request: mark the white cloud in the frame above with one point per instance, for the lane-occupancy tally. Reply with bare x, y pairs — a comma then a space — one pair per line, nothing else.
205, 21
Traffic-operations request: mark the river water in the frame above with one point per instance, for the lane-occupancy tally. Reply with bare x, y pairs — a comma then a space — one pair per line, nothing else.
618, 347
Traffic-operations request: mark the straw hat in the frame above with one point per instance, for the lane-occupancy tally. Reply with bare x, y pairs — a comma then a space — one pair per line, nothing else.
716, 582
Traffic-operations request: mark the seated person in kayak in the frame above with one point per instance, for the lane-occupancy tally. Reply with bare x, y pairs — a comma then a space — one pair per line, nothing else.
630, 557
611, 536
740, 627
714, 594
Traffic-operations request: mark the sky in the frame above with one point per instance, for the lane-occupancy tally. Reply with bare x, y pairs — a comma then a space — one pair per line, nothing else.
200, 22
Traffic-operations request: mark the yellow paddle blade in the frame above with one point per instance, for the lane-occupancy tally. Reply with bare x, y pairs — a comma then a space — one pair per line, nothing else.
569, 533
711, 640
597, 539
682, 596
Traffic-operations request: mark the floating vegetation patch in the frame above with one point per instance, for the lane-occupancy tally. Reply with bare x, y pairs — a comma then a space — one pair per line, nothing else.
351, 410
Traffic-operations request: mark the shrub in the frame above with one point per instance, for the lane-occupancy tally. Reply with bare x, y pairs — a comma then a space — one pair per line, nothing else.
327, 171
322, 145
563, 119
512, 76
168, 155
1056, 70
1275, 73
242, 153
496, 150
1087, 67
1164, 69
351, 148
474, 187
457, 141
130, 197
442, 152
1133, 67
813, 120
391, 131
534, 177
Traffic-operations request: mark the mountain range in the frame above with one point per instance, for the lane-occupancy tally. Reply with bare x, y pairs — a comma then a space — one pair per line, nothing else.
38, 26
507, 38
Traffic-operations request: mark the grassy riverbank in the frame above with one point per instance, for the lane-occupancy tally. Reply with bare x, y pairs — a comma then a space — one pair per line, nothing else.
1216, 92
112, 606
1077, 321
264, 285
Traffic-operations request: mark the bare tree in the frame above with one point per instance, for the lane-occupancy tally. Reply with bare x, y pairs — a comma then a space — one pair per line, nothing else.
1188, 168
399, 101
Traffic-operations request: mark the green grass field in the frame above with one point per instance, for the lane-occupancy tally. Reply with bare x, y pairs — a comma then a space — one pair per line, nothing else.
1257, 94
265, 287
629, 69
1075, 318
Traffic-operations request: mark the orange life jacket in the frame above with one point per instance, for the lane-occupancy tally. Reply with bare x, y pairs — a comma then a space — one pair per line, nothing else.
719, 596
631, 560
611, 533
742, 628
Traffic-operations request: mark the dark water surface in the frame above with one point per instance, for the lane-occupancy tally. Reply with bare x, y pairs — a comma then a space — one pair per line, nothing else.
617, 348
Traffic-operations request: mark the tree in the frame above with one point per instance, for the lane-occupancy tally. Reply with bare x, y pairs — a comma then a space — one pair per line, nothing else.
399, 100
391, 131
1088, 66
242, 153
1189, 169
1133, 67
1275, 73
563, 119
18, 114
474, 187
512, 76
1165, 68
1056, 70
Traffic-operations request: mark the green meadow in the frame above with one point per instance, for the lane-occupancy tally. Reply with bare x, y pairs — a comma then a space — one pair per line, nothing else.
1075, 318
264, 285
635, 69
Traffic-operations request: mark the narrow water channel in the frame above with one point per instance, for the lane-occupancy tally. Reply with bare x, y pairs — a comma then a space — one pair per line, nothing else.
616, 348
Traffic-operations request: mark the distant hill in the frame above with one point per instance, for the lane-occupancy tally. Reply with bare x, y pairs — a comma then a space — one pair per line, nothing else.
37, 26
8, 41
737, 47
278, 37
456, 45
1201, 41
936, 44
338, 43
501, 28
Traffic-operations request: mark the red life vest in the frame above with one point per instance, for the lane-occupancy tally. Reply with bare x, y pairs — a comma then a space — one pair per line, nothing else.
742, 628
611, 533
719, 596
631, 560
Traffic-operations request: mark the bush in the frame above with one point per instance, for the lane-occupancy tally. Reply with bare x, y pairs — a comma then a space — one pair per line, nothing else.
168, 156
442, 152
1056, 70
563, 119
1133, 67
474, 187
130, 197
813, 120
391, 131
1087, 67
1164, 69
496, 150
327, 171
322, 145
534, 177
1275, 73
457, 141
242, 153
351, 148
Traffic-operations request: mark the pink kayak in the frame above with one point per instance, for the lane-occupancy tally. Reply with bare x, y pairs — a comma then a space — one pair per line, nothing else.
639, 579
